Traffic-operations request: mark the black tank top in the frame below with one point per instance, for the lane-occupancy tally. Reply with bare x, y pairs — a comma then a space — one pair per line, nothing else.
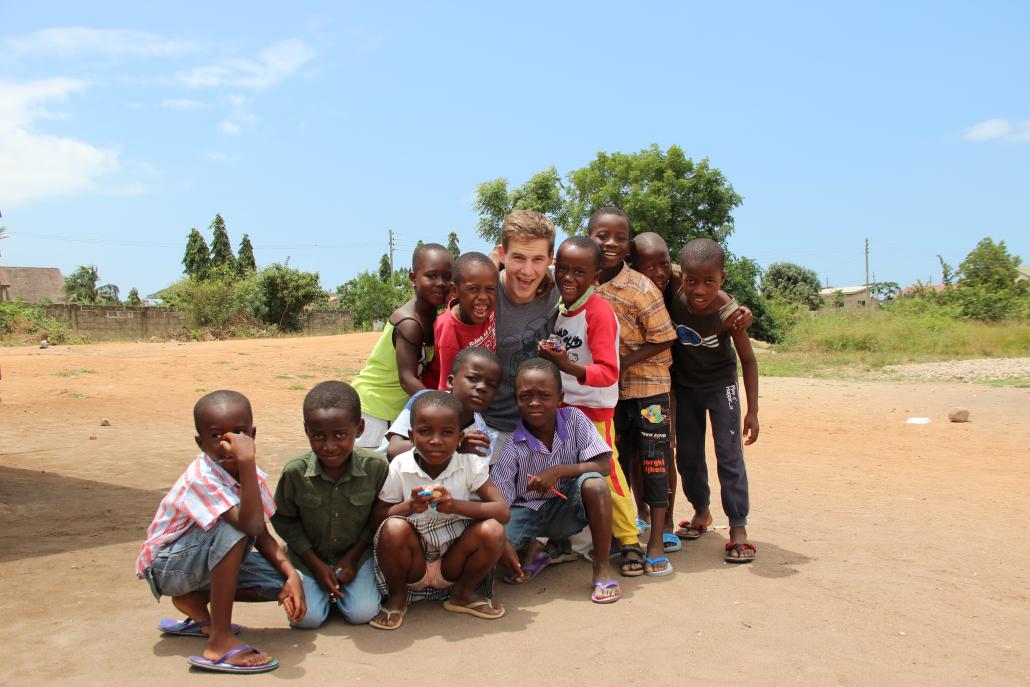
702, 354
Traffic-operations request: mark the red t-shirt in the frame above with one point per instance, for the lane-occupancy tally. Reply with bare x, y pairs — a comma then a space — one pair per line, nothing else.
452, 335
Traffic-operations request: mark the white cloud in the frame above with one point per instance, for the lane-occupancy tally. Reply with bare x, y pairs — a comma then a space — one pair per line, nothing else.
999, 129
273, 64
183, 104
241, 115
35, 165
70, 42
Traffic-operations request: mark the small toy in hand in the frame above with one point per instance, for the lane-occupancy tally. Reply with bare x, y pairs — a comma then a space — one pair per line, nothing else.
553, 342
431, 491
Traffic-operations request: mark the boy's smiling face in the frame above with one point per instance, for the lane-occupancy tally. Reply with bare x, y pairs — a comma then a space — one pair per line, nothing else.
436, 433
475, 383
575, 271
476, 293
331, 433
525, 264
651, 258
215, 421
537, 395
432, 275
701, 283
611, 233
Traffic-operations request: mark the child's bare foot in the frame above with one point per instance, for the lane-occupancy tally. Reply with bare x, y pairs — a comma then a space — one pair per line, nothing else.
739, 549
606, 588
219, 646
194, 606
391, 616
467, 601
696, 526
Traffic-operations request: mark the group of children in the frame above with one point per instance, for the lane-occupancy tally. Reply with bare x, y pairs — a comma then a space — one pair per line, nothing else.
497, 417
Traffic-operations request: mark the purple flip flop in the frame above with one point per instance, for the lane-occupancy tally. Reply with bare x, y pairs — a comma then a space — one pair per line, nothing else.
540, 561
599, 587
220, 664
190, 627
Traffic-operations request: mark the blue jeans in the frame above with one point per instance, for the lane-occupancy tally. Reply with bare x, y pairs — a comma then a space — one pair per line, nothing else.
556, 519
185, 565
360, 602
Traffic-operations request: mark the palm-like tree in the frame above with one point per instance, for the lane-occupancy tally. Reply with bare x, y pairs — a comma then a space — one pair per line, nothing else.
108, 294
81, 285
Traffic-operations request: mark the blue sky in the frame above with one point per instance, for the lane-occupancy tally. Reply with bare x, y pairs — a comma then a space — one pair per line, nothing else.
315, 128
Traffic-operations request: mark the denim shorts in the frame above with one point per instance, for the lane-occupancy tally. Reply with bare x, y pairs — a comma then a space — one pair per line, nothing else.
185, 565
556, 519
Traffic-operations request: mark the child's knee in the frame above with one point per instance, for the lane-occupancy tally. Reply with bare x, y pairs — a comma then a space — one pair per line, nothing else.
313, 619
358, 609
594, 488
492, 532
396, 531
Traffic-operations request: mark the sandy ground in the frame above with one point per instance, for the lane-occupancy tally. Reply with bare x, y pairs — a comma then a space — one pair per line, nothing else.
887, 553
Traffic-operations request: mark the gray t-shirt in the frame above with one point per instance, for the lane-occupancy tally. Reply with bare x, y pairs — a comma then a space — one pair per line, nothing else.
519, 328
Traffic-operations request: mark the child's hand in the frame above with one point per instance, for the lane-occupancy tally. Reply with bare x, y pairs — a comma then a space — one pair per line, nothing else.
510, 560
622, 378
347, 567
239, 446
742, 319
543, 481
751, 428
291, 598
419, 501
443, 499
559, 358
474, 440
327, 580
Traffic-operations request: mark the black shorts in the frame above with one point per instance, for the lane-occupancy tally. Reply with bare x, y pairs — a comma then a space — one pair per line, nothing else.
642, 433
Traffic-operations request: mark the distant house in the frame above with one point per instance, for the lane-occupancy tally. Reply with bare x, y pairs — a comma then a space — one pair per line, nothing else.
1024, 273
851, 298
31, 284
914, 289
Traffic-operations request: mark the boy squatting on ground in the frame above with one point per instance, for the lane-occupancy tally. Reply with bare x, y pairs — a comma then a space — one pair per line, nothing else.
196, 550
323, 503
474, 376
705, 381
649, 255
441, 531
642, 420
469, 320
589, 362
554, 451
402, 362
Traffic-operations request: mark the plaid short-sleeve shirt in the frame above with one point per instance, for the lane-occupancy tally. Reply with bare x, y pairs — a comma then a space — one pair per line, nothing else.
639, 305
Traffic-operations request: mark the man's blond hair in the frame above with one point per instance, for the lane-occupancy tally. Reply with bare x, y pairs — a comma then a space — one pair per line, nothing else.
527, 225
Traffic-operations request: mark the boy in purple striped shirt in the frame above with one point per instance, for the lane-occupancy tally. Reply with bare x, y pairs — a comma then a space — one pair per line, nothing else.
551, 473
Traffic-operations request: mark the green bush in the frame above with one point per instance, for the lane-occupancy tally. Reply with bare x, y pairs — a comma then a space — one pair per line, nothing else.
280, 293
19, 319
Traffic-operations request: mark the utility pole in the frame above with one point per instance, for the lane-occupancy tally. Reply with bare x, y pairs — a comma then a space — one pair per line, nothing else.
868, 293
390, 231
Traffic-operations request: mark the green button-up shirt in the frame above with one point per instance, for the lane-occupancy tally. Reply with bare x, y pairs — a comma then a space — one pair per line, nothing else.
313, 511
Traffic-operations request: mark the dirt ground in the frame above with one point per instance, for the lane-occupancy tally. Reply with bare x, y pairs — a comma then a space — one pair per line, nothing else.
887, 553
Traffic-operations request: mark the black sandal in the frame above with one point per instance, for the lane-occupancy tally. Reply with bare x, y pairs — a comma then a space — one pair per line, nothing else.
632, 555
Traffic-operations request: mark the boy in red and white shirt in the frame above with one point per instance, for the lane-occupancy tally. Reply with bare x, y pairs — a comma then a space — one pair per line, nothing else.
469, 320
196, 550
589, 363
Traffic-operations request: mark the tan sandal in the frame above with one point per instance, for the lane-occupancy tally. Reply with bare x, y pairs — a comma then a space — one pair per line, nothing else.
381, 625
472, 606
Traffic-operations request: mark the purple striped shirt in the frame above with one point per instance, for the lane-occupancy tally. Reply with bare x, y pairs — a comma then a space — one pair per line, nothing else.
199, 497
576, 440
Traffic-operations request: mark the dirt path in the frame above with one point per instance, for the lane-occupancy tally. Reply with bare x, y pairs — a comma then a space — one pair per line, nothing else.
888, 553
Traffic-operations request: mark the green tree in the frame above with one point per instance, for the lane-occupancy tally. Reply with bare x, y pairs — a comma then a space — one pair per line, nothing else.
885, 290
742, 278
384, 269
989, 265
108, 294
452, 245
133, 297
221, 248
282, 293
197, 259
81, 285
494, 201
245, 262
792, 283
947, 273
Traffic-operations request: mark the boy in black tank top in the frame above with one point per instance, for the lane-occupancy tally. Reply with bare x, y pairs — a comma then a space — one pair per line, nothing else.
704, 379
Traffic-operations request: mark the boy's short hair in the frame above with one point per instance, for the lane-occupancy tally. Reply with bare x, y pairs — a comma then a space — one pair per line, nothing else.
703, 251
466, 354
586, 243
527, 225
333, 394
541, 364
222, 397
608, 210
467, 260
420, 251
436, 399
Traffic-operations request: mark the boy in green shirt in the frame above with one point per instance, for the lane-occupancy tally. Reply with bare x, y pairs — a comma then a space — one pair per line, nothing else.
323, 502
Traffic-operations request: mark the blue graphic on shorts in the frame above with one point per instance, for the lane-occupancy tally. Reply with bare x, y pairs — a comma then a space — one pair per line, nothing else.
688, 337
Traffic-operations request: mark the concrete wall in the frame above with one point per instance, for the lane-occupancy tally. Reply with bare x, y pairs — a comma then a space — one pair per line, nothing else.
130, 323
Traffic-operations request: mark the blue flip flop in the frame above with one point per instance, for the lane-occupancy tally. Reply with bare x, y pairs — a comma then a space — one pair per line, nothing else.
642, 526
221, 664
655, 561
671, 543
190, 627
